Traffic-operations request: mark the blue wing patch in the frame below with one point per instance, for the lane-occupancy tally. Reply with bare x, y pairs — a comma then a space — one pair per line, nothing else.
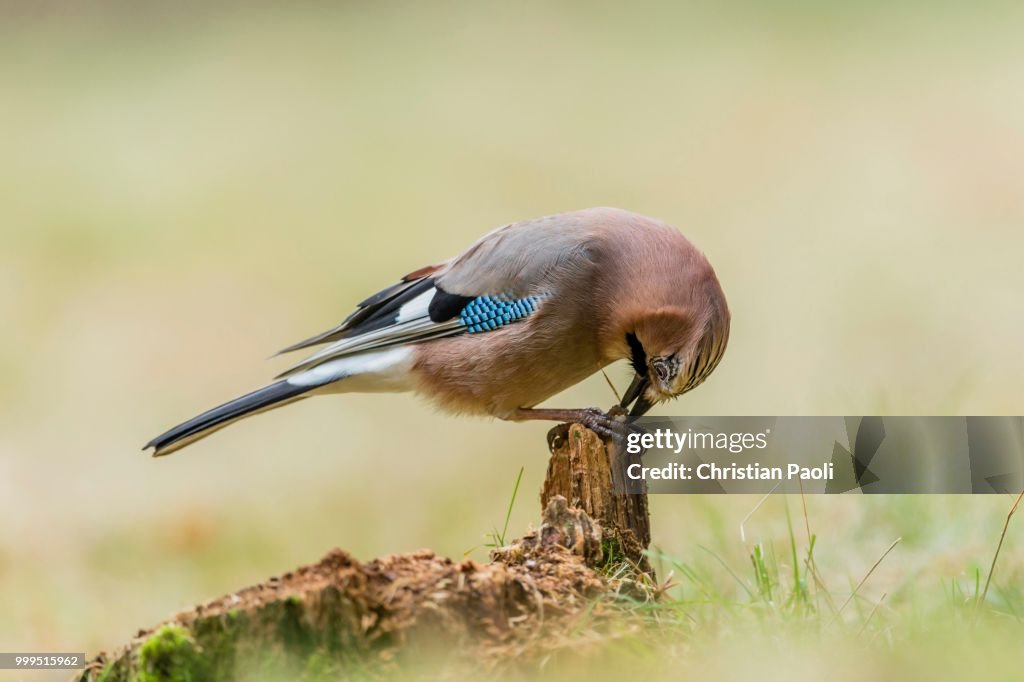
487, 313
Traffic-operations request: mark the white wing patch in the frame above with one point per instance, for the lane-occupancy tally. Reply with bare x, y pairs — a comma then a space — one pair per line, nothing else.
385, 370
416, 308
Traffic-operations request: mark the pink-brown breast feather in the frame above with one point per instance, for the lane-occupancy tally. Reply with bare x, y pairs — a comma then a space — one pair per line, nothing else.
517, 366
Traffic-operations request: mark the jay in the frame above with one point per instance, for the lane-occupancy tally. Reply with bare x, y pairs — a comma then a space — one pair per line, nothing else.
527, 311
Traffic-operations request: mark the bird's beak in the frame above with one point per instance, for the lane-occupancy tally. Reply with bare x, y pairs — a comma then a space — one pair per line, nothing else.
641, 407
635, 392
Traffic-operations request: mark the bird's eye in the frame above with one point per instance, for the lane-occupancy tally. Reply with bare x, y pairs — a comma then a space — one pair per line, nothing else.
661, 368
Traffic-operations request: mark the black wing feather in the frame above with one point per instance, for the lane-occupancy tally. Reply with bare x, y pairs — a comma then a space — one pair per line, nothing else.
376, 307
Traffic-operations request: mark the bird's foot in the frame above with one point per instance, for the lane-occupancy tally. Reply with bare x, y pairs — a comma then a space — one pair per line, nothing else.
611, 425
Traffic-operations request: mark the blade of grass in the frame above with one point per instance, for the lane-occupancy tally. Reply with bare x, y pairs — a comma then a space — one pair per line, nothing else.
992, 567
511, 503
811, 564
743, 534
730, 571
872, 613
800, 596
618, 398
685, 570
761, 574
866, 576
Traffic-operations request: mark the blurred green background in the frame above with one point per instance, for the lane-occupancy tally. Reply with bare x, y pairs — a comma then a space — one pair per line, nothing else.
185, 189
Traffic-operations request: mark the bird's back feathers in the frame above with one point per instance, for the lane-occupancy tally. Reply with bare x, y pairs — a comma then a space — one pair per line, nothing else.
514, 264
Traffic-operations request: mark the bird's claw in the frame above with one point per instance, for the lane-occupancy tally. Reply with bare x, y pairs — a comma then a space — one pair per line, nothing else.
613, 425
609, 425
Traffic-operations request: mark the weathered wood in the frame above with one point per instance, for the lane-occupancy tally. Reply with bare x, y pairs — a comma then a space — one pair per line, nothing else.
591, 476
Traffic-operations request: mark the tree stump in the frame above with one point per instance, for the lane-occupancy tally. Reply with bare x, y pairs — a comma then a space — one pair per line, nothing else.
590, 475
341, 615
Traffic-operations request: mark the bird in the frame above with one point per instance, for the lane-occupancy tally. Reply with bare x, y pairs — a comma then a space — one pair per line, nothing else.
528, 310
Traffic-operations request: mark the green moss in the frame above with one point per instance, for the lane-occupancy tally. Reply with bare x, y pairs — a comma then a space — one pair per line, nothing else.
218, 637
322, 666
280, 641
294, 633
170, 655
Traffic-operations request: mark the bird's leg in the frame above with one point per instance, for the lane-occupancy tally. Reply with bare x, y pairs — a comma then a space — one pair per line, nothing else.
602, 423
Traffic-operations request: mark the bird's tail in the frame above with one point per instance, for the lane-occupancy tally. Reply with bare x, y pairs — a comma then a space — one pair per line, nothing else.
267, 398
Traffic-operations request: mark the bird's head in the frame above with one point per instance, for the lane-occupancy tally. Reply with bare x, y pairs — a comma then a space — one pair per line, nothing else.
673, 350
